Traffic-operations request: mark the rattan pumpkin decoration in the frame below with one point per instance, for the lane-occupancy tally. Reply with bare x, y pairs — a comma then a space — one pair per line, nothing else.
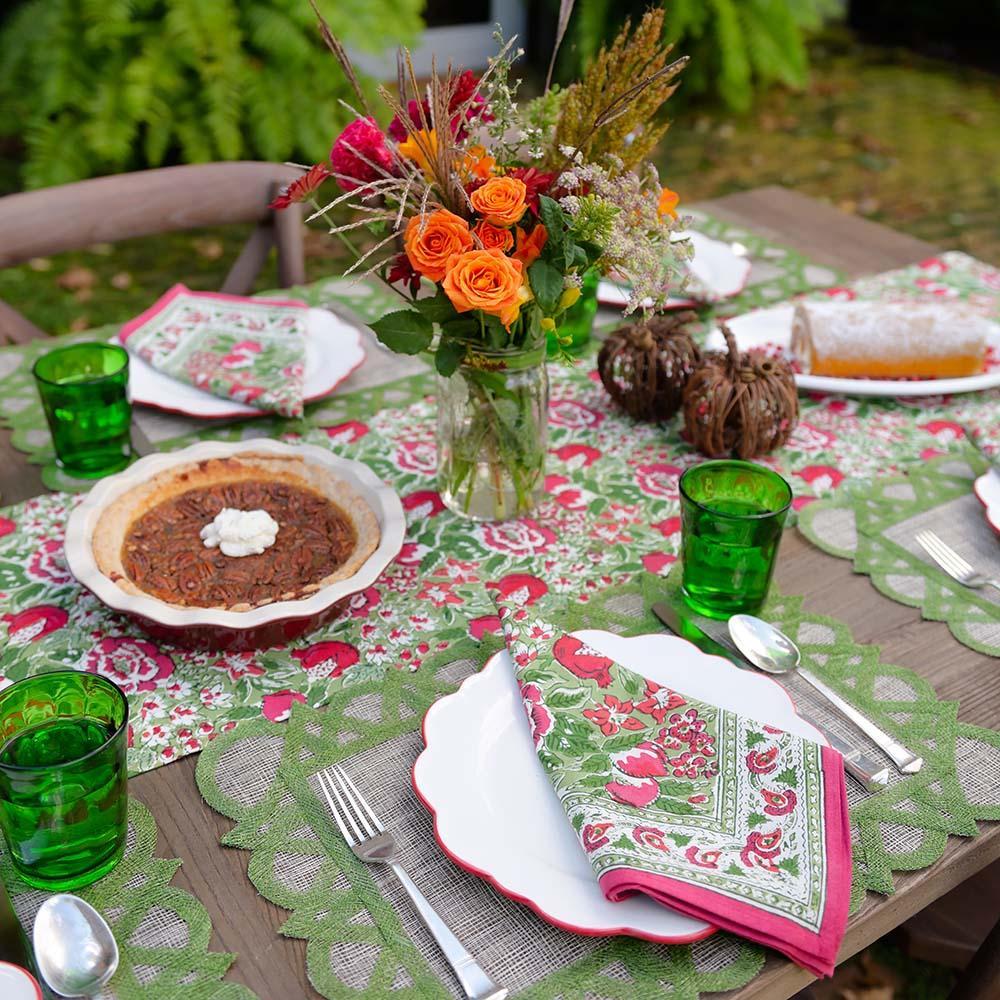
645, 366
742, 404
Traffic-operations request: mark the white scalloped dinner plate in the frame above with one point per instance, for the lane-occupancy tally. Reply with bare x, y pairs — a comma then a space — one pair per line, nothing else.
496, 815
987, 490
718, 274
772, 327
333, 351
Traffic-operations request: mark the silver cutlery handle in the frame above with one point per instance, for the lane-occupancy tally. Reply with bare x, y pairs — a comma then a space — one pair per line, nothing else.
905, 761
867, 772
475, 982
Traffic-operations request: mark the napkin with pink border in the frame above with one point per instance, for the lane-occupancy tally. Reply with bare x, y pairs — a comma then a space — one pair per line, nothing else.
251, 351
718, 816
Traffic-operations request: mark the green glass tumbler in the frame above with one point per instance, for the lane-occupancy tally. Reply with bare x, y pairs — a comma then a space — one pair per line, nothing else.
84, 392
63, 773
576, 323
732, 516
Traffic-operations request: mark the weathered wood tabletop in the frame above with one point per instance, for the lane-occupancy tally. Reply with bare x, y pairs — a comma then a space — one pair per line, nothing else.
243, 922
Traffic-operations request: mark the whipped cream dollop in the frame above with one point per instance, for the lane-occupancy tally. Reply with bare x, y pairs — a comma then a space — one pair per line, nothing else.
240, 532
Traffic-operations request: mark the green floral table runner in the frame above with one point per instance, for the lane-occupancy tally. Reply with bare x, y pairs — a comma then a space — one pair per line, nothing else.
162, 931
363, 939
874, 523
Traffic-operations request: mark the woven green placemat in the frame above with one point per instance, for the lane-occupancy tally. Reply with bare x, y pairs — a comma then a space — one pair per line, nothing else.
874, 524
363, 939
162, 931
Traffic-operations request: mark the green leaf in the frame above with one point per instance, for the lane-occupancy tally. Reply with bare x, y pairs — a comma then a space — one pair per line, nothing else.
754, 738
405, 331
677, 789
755, 819
623, 843
546, 283
566, 697
595, 762
677, 807
790, 865
448, 357
436, 308
554, 220
577, 822
788, 777
735, 869
680, 839
591, 781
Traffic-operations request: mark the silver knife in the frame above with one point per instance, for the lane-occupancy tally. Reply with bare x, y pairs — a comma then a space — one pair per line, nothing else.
867, 772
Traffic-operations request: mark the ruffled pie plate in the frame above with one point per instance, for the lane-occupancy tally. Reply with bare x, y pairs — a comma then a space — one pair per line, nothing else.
771, 328
333, 351
219, 628
987, 490
495, 811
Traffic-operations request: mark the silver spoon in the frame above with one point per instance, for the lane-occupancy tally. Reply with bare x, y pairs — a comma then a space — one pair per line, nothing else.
772, 651
75, 951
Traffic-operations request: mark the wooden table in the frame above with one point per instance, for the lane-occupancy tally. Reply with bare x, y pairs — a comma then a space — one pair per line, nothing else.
275, 967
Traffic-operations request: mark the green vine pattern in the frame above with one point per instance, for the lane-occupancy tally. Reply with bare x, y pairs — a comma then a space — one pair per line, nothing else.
899, 829
852, 524
162, 931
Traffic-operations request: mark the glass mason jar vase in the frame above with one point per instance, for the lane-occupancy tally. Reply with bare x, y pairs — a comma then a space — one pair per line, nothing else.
576, 324
492, 432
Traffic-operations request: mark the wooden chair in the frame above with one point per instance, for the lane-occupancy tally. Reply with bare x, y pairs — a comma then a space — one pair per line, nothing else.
119, 207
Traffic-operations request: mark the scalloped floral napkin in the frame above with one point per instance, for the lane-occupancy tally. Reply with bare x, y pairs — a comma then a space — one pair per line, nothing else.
715, 815
251, 351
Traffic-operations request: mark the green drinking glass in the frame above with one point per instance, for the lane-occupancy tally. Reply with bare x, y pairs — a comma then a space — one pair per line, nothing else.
84, 391
578, 321
732, 516
63, 797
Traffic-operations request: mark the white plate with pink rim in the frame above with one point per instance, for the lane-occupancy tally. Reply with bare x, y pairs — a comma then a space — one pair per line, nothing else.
333, 352
497, 816
987, 490
717, 272
771, 329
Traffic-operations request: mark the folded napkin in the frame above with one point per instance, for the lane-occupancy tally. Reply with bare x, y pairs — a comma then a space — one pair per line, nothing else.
248, 350
718, 816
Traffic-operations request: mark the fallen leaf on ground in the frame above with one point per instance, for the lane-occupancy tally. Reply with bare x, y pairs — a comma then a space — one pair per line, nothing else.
209, 248
121, 280
76, 277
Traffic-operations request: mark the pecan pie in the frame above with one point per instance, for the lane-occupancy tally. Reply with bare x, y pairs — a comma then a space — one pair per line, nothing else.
149, 540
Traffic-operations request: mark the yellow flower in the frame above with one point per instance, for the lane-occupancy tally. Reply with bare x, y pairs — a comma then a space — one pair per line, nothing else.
415, 146
548, 324
668, 203
569, 297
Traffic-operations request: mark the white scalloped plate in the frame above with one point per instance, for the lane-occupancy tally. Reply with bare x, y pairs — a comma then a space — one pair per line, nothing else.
333, 351
717, 272
382, 499
987, 490
495, 812
772, 328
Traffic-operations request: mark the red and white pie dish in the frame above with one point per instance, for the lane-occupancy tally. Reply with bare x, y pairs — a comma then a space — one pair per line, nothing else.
497, 816
987, 489
220, 628
333, 350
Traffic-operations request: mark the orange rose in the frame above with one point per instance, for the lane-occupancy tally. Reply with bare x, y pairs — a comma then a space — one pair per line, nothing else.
493, 237
501, 200
487, 280
668, 203
529, 247
431, 239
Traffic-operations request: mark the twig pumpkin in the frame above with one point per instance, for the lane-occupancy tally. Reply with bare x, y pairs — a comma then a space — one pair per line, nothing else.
645, 366
742, 404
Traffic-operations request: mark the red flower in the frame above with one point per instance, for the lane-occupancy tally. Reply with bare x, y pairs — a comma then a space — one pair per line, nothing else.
659, 700
612, 716
360, 155
583, 661
535, 181
649, 836
644, 760
762, 762
6, 526
33, 624
540, 718
479, 627
519, 589
418, 115
703, 859
779, 803
638, 792
302, 187
278, 707
761, 849
327, 659
593, 836
402, 270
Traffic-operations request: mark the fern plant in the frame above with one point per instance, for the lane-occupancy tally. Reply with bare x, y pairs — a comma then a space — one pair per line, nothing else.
98, 86
736, 46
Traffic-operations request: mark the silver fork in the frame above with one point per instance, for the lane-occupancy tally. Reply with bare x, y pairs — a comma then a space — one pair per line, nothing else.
952, 563
371, 842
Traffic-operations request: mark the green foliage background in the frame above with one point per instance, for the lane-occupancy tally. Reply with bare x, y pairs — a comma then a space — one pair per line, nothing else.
99, 86
737, 47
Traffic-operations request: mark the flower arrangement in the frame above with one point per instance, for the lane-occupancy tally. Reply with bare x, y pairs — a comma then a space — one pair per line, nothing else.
487, 213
